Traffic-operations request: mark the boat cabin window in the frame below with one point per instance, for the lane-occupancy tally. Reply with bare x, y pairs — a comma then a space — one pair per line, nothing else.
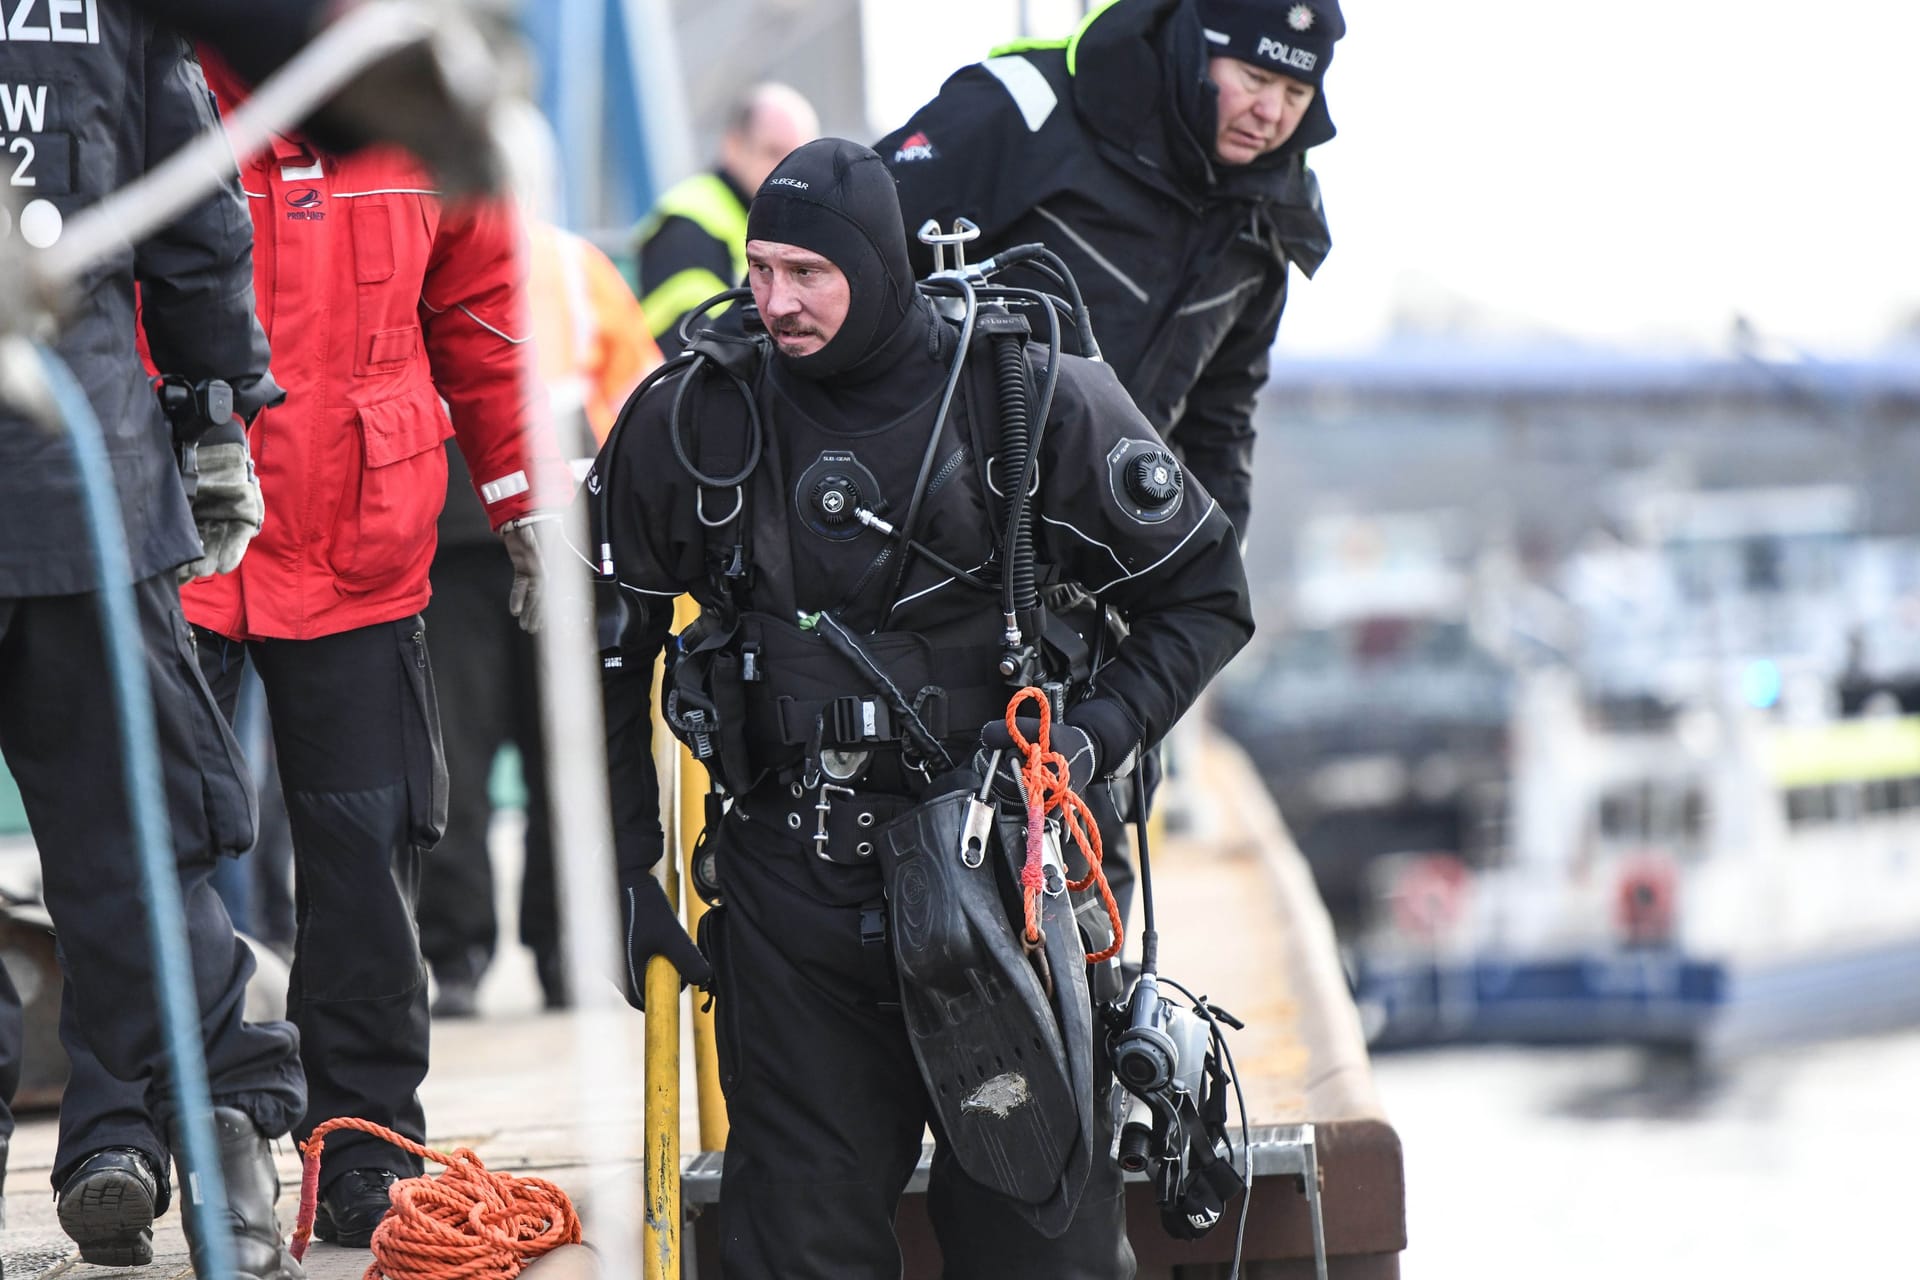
1807, 806
1880, 795
1846, 801
1884, 797
1665, 814
1486, 826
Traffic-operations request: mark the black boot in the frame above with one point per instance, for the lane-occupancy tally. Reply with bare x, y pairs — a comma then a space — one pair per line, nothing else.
352, 1205
555, 990
108, 1206
246, 1164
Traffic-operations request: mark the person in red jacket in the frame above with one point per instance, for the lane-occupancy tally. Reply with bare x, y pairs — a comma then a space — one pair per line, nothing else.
395, 323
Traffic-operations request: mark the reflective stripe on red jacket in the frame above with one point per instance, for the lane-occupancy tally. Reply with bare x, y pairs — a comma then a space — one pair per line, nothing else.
380, 306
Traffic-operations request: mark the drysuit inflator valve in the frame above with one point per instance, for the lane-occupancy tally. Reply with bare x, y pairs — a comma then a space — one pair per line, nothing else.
836, 498
1153, 480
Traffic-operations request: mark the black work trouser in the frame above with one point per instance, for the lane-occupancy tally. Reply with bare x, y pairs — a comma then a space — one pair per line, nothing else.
489, 682
825, 1102
13, 1040
355, 729
62, 739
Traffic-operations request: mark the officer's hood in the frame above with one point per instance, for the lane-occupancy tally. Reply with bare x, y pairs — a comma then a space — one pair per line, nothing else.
836, 198
1140, 59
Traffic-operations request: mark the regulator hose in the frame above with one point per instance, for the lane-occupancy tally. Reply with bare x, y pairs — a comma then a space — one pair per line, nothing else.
1044, 260
1019, 594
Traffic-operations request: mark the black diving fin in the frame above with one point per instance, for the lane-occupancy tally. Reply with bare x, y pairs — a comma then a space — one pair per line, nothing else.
1008, 1068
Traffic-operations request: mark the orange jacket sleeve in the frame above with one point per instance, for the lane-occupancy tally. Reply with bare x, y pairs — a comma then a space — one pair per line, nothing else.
625, 352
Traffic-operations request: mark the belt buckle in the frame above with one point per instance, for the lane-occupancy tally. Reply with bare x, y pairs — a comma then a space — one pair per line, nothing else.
822, 807
860, 718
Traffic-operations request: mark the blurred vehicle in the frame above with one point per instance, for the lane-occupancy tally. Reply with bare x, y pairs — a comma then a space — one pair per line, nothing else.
1378, 718
1726, 880
1682, 583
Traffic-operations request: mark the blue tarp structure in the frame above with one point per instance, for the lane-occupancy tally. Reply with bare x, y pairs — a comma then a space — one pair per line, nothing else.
600, 62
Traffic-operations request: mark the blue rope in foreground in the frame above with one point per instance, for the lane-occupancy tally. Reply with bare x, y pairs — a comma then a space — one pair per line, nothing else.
206, 1197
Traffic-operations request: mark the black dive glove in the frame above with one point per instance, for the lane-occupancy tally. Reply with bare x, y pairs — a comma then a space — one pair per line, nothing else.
1008, 788
652, 928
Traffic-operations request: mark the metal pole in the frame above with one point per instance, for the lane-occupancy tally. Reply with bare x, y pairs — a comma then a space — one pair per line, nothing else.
656, 60
583, 842
693, 789
582, 39
660, 1244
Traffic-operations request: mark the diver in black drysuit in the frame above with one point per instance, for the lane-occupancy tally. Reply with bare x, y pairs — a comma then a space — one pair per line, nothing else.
826, 1103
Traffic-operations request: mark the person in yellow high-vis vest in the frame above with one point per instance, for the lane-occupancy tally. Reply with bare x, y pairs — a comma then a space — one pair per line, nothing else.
694, 242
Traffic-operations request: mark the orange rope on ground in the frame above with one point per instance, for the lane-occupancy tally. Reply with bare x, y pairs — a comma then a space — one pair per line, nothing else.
464, 1224
1048, 785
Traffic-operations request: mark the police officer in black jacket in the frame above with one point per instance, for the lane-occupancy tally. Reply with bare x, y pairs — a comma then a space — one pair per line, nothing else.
1162, 151
851, 511
97, 94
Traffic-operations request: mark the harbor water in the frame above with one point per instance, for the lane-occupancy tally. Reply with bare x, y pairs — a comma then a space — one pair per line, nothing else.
1613, 1164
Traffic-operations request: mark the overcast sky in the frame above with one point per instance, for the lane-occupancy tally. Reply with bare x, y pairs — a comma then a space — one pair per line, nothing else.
1624, 173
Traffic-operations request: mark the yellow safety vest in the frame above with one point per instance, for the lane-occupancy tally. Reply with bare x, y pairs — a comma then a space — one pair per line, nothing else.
707, 202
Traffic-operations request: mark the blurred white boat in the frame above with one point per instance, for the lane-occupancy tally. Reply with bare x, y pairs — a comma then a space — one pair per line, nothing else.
1724, 880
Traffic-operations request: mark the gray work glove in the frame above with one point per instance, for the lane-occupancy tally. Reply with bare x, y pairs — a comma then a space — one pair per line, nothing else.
534, 546
227, 508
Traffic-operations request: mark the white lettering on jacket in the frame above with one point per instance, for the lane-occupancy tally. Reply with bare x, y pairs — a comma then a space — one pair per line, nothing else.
23, 107
50, 21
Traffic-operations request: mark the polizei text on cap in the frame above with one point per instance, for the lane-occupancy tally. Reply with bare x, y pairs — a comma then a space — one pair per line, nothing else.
1287, 55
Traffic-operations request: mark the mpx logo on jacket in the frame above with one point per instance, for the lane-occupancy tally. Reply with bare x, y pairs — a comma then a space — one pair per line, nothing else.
915, 146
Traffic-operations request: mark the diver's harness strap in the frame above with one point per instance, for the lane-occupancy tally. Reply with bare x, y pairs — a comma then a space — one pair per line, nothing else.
842, 825
759, 698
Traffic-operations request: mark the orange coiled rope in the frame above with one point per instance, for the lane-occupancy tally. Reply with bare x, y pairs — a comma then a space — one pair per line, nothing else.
1049, 789
465, 1223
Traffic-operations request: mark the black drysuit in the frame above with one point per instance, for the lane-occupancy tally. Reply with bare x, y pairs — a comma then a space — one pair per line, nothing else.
1101, 149
825, 1101
95, 96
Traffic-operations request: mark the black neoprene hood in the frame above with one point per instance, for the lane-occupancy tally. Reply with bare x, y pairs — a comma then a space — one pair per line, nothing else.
837, 199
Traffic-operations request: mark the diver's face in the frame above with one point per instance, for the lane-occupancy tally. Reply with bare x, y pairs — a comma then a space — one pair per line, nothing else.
802, 297
1259, 109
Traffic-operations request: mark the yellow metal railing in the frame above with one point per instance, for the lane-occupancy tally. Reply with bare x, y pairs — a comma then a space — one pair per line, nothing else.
683, 796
